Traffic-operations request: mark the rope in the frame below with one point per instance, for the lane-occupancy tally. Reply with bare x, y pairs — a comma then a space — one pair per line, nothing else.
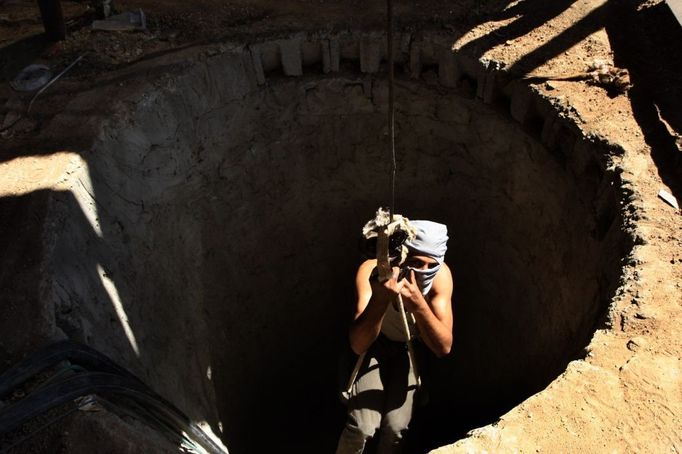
391, 108
410, 348
384, 238
391, 129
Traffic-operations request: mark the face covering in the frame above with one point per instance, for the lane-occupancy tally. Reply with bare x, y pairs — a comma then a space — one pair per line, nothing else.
424, 278
431, 241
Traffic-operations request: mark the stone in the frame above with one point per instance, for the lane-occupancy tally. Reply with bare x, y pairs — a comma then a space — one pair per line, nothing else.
405, 42
645, 313
636, 343
371, 50
257, 65
290, 50
311, 52
549, 129
490, 90
448, 71
326, 56
334, 55
521, 102
415, 61
481, 77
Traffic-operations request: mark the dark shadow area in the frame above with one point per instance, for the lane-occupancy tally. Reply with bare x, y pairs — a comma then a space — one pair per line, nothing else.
30, 252
21, 227
19, 54
23, 23
647, 40
62, 278
216, 240
268, 294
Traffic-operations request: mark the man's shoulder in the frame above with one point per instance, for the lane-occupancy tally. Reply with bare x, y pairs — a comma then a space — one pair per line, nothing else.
368, 264
443, 280
365, 268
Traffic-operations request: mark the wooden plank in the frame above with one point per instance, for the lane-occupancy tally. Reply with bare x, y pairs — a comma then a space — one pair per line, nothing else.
53, 19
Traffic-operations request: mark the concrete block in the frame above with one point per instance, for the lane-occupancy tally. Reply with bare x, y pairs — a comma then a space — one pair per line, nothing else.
405, 41
490, 90
428, 53
326, 56
415, 60
367, 88
290, 51
584, 166
448, 70
311, 52
270, 56
257, 65
469, 66
581, 156
399, 44
371, 52
557, 138
548, 129
481, 77
334, 54
349, 48
564, 139
521, 103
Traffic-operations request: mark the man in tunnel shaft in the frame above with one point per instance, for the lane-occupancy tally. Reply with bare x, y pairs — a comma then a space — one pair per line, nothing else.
382, 397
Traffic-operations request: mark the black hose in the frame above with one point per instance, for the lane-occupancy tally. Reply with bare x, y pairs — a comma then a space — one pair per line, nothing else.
103, 378
107, 385
53, 354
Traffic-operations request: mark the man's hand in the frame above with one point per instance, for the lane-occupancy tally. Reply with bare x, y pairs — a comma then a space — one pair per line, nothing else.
388, 290
412, 296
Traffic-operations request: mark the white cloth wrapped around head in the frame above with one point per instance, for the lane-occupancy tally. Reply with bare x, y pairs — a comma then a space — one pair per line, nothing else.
431, 241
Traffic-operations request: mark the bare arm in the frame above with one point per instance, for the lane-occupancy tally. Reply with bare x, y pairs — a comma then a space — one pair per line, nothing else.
373, 299
434, 319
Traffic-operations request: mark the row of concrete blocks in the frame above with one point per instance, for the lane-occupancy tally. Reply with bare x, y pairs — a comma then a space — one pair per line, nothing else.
301, 53
295, 53
586, 157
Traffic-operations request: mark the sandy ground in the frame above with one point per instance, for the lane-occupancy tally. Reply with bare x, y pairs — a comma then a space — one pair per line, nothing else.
626, 396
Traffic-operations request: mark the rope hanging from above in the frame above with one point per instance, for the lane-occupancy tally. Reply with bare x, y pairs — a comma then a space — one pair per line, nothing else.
391, 108
386, 234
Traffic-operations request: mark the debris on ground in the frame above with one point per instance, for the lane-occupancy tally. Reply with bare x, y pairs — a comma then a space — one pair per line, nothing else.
677, 137
128, 21
668, 198
31, 78
599, 72
13, 118
605, 74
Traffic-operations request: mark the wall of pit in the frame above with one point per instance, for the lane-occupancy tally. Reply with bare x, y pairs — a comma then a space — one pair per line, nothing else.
229, 200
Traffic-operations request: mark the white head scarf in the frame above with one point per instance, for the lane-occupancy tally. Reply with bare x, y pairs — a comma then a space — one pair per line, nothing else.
431, 241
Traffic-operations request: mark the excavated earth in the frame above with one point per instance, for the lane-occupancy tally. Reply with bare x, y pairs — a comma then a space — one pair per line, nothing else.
188, 200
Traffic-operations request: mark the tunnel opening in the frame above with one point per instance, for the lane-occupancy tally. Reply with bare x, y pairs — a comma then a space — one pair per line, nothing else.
224, 218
